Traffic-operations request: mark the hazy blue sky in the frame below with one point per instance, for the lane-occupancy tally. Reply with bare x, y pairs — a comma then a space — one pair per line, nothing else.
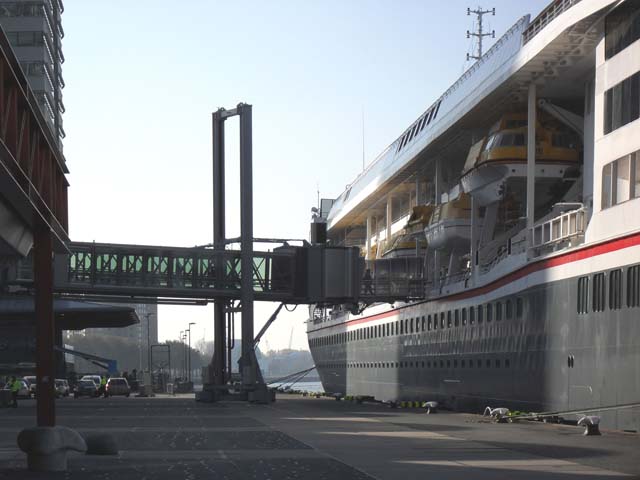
142, 78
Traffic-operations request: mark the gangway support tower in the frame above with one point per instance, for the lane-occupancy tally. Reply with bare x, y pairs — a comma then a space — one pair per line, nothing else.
252, 380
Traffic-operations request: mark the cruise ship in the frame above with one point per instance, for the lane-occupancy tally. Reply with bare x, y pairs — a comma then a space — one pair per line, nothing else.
519, 259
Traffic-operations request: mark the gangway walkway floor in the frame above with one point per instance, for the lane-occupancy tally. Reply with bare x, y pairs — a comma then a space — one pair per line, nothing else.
308, 438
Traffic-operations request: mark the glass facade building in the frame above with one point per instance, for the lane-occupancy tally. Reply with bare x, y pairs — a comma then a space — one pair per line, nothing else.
34, 30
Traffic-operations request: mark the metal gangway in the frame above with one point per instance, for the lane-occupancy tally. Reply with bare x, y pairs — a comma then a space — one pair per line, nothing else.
307, 274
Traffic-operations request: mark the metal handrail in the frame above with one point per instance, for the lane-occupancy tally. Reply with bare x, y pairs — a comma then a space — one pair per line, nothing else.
546, 17
558, 229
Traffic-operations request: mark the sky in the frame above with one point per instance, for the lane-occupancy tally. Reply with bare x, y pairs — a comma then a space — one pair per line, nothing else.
329, 81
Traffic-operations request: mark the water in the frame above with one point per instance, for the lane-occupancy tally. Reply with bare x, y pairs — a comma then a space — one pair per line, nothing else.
311, 387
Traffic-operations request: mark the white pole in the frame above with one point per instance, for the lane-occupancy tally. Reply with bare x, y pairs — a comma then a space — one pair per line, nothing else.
531, 156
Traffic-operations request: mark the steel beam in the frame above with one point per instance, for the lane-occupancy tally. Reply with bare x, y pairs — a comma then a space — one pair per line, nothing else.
531, 157
219, 235
45, 332
249, 364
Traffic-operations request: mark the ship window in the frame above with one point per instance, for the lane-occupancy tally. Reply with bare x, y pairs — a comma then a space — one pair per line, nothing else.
441, 363
498, 311
519, 307
490, 143
472, 315
411, 325
455, 364
480, 311
633, 286
563, 140
464, 316
435, 114
423, 323
489, 312
622, 175
449, 319
618, 102
583, 295
479, 363
635, 174
507, 363
497, 363
488, 363
401, 327
622, 28
406, 325
462, 363
508, 307
448, 363
456, 318
441, 319
598, 292
615, 289
428, 322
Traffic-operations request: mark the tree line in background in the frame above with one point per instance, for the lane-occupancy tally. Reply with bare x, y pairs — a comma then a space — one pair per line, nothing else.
130, 355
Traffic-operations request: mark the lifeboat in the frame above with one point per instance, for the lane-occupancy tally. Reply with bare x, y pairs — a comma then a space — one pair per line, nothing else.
498, 162
410, 241
450, 224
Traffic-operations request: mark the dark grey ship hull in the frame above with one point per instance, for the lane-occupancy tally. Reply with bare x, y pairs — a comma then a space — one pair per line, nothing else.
542, 355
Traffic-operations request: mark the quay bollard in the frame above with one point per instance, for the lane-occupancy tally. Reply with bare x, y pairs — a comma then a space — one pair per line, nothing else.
430, 407
591, 424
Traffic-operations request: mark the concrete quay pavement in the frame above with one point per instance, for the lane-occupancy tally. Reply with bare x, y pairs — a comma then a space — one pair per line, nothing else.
308, 438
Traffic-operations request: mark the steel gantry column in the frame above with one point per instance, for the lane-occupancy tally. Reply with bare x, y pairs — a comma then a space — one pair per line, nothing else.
219, 236
531, 159
249, 362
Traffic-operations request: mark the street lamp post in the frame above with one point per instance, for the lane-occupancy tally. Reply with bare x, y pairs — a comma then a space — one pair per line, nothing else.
184, 355
189, 360
148, 341
181, 334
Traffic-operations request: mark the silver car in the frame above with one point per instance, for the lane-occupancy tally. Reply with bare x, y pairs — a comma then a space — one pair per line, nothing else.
118, 386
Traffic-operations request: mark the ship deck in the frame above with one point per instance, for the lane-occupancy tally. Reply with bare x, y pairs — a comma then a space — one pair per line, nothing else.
296, 437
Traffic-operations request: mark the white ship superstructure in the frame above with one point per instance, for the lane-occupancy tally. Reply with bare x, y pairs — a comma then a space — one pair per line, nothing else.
529, 257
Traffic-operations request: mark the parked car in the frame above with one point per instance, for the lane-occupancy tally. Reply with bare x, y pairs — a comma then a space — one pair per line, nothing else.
118, 386
62, 387
94, 378
31, 381
24, 391
85, 388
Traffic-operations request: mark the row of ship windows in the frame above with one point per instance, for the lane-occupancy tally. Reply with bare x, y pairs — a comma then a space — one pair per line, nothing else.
497, 311
615, 290
463, 363
417, 127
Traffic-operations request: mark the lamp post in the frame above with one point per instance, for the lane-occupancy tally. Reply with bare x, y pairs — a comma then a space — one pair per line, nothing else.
148, 341
184, 354
181, 334
189, 359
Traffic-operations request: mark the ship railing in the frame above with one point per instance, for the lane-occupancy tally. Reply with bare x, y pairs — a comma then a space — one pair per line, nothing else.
512, 242
393, 279
546, 17
568, 226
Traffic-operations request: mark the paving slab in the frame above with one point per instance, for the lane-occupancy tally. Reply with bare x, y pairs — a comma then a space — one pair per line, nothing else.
302, 437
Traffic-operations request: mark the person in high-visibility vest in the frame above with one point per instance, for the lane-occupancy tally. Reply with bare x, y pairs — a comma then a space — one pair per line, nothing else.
15, 386
103, 386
